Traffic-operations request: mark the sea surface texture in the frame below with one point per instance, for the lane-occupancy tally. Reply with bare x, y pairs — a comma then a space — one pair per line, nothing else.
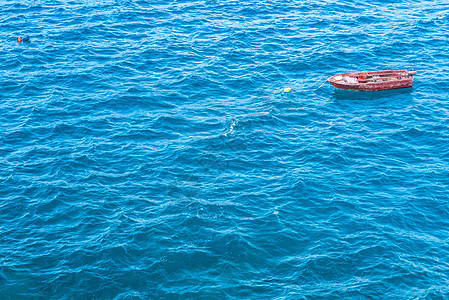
148, 150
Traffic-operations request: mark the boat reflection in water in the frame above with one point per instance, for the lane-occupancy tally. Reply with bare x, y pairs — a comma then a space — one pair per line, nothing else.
340, 94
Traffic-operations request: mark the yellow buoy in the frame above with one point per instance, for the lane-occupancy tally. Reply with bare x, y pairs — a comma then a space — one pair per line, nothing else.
286, 90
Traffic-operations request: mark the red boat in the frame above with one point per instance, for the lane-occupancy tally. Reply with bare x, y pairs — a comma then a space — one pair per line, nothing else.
373, 81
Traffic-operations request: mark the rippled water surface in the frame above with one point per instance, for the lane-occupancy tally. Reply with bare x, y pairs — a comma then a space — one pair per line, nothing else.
147, 150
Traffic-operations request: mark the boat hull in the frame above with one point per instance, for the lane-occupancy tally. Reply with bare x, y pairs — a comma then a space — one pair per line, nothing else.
373, 81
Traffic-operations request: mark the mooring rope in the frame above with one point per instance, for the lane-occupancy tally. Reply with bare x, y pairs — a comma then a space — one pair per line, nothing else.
321, 84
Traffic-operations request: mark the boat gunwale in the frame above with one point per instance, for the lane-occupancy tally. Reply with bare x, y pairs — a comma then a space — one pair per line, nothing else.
397, 73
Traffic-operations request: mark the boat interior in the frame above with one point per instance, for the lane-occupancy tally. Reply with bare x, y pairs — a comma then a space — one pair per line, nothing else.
372, 77
365, 78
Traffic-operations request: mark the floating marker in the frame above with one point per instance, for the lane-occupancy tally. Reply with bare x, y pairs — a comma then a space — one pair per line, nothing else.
286, 90
25, 39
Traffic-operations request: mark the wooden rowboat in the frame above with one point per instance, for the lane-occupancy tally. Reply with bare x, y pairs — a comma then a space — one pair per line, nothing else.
373, 81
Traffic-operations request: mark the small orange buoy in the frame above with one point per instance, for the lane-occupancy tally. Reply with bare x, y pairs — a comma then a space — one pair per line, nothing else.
25, 39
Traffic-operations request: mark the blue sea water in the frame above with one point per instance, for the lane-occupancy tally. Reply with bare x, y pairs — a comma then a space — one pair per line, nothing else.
147, 150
